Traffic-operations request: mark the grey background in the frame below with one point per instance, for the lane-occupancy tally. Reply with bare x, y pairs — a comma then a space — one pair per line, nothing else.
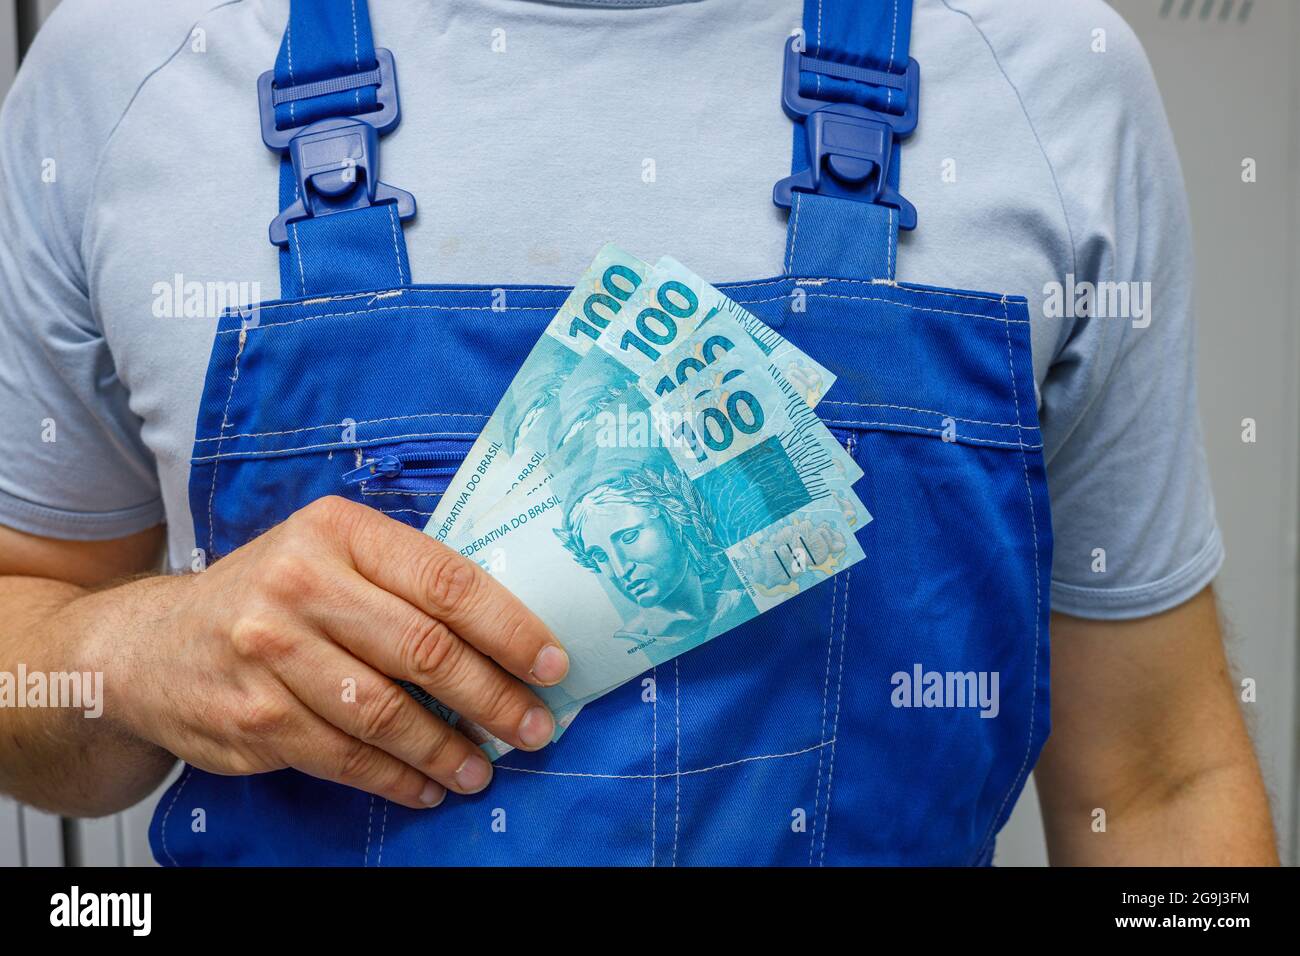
1231, 87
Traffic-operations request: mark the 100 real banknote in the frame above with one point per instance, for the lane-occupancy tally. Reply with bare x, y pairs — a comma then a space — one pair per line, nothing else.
620, 341
637, 552
661, 349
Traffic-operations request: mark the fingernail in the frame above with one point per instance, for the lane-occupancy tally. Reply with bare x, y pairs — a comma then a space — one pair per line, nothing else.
473, 774
551, 665
432, 794
536, 728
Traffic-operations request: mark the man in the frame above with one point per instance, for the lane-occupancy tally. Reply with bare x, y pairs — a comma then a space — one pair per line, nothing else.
1038, 163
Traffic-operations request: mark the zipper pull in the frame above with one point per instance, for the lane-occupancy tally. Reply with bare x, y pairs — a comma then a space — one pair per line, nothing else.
387, 467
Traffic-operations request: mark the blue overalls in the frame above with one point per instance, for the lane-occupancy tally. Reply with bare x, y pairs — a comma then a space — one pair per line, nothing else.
797, 739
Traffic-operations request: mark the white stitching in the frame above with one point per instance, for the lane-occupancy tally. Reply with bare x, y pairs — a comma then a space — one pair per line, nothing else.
654, 770
818, 77
297, 248
794, 234
365, 493
826, 683
397, 253
370, 815
540, 308
921, 428
284, 451
889, 243
754, 285
893, 44
665, 776
868, 298
356, 57
365, 421
677, 805
212, 492
383, 829
288, 43
905, 408
835, 727
405, 290
987, 298
394, 511
844, 422
1038, 613
162, 827
392, 308
460, 290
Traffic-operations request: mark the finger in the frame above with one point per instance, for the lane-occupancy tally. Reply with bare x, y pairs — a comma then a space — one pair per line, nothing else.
372, 708
403, 642
324, 751
454, 590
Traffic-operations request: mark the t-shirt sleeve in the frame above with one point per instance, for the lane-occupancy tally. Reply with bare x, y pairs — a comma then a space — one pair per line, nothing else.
1132, 508
74, 464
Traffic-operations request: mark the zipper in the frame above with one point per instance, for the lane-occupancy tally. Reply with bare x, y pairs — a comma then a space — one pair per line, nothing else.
429, 469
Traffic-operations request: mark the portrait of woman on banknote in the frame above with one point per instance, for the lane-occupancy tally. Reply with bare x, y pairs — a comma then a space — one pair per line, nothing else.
638, 533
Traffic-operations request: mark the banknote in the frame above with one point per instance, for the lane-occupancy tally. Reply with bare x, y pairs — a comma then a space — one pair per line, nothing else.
674, 375
642, 344
598, 296
651, 320
838, 471
808, 377
629, 419
636, 554
642, 414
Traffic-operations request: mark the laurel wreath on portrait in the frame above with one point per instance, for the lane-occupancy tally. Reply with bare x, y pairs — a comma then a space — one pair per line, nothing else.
672, 494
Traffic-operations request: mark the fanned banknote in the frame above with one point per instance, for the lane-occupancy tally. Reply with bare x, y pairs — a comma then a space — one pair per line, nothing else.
624, 421
641, 341
654, 476
599, 295
629, 419
635, 553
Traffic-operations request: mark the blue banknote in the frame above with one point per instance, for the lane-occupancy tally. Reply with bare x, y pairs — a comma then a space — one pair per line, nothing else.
637, 552
599, 295
720, 345
655, 403
641, 344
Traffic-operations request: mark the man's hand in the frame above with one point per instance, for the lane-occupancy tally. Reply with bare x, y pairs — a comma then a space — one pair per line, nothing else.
282, 654
1146, 727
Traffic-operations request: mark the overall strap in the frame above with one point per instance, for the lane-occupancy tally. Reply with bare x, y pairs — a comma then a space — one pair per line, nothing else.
853, 93
330, 97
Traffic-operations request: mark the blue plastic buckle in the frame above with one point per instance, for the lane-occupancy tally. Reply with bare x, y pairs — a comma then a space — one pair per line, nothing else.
849, 146
335, 160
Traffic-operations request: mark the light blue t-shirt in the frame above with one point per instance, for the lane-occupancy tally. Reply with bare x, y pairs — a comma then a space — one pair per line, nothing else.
131, 162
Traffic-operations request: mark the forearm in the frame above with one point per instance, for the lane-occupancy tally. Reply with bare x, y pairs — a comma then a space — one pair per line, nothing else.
58, 757
1150, 762
1215, 816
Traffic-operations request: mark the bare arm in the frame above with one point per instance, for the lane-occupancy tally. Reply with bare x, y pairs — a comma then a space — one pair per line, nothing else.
59, 759
282, 654
1146, 726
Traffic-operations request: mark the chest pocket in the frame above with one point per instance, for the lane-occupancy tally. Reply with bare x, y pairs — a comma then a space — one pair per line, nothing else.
302, 403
